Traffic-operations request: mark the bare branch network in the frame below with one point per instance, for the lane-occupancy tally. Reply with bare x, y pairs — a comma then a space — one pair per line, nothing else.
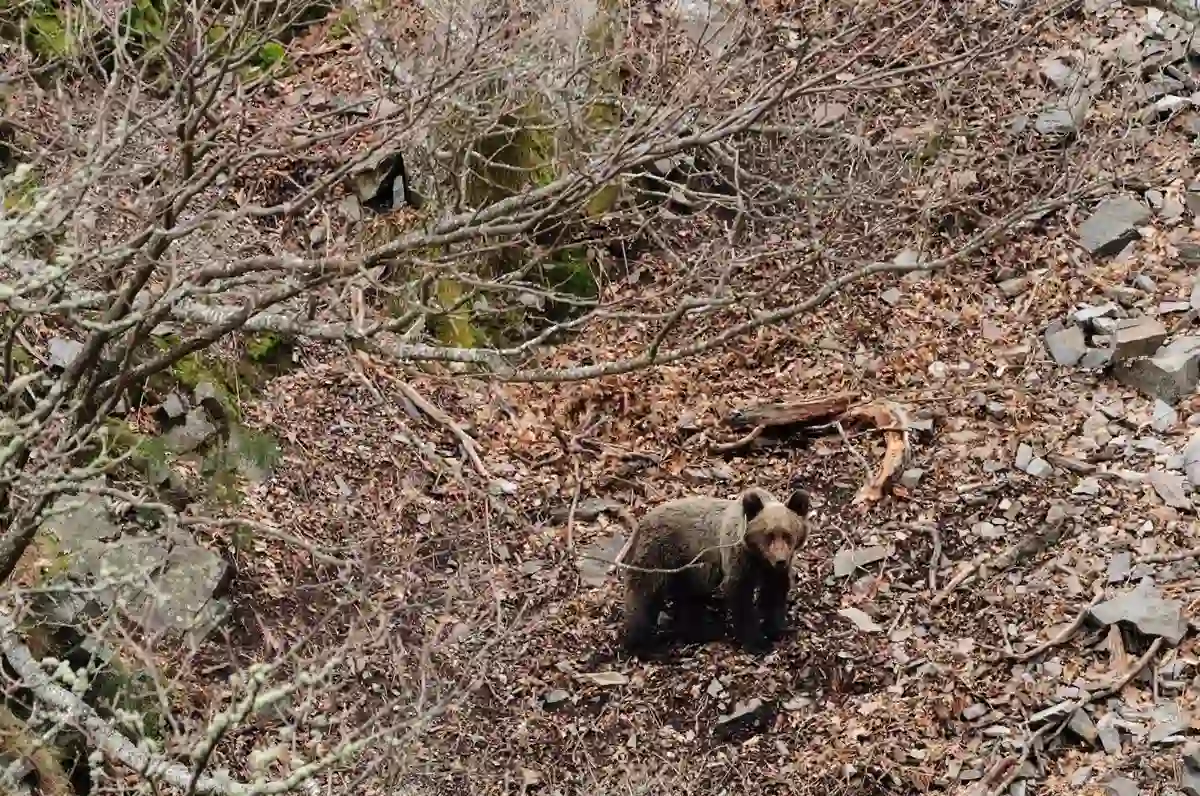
522, 192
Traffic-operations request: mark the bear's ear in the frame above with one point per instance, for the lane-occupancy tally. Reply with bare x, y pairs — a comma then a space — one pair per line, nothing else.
751, 505
799, 503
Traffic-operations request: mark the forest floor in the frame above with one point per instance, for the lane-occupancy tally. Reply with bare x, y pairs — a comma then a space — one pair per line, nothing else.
932, 691
969, 565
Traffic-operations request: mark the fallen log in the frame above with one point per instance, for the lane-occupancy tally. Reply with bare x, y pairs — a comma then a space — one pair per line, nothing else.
886, 416
791, 413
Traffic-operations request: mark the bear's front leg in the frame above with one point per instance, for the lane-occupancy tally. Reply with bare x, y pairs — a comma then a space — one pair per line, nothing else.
773, 603
745, 619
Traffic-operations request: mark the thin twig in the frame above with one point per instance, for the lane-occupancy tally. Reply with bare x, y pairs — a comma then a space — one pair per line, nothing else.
1069, 711
958, 579
1163, 558
1098, 595
469, 446
935, 557
738, 444
571, 511
853, 450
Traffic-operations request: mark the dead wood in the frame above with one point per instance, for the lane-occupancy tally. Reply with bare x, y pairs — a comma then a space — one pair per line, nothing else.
791, 413
891, 419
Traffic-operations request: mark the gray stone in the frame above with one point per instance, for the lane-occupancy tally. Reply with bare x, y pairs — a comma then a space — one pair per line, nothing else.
1122, 786
1161, 87
741, 710
1055, 122
555, 698
891, 296
1024, 456
1145, 283
1194, 299
1059, 74
1189, 780
846, 561
1066, 345
1145, 609
1170, 721
1096, 359
974, 711
1112, 225
1014, 287
586, 510
206, 390
1137, 337
862, 621
1110, 736
532, 566
1191, 755
1120, 566
1170, 374
752, 715
829, 112
1081, 724
173, 407
596, 559
1124, 295
1040, 468
195, 431
1169, 307
350, 208
63, 351
163, 582
1087, 315
910, 478
1191, 459
370, 180
1087, 486
1172, 488
1164, 416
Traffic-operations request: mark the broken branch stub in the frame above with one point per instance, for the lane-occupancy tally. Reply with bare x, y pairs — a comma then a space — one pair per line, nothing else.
893, 421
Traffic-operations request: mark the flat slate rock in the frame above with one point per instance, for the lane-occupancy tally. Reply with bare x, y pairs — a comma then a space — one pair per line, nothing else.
1145, 609
165, 581
846, 561
1113, 225
1065, 344
1171, 374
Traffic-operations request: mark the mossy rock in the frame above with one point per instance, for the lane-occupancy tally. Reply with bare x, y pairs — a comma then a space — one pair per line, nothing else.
519, 152
267, 356
147, 455
454, 326
271, 352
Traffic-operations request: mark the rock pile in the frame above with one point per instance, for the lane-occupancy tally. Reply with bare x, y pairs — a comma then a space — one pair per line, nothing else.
1134, 346
1131, 331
